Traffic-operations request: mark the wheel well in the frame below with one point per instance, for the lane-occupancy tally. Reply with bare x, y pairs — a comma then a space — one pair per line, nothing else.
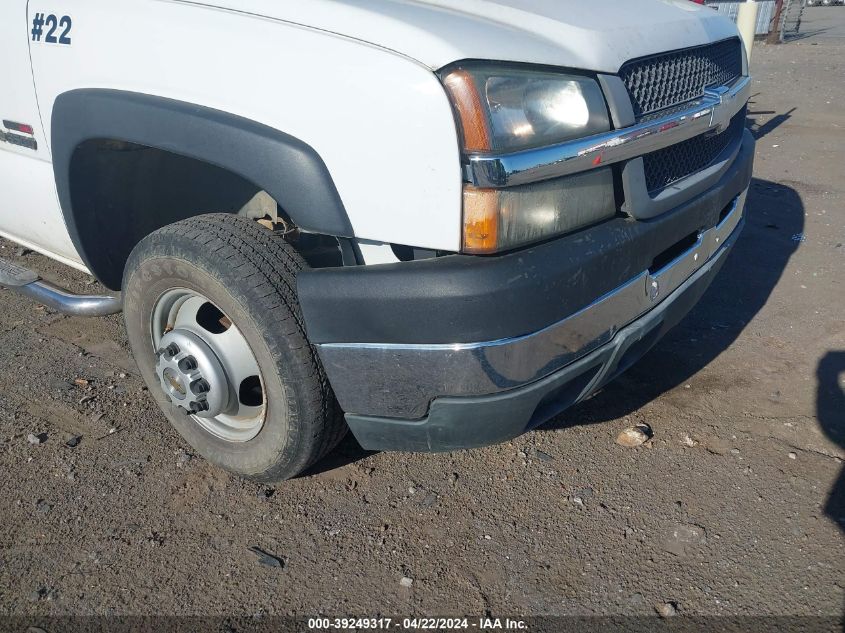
127, 191
124, 191
127, 163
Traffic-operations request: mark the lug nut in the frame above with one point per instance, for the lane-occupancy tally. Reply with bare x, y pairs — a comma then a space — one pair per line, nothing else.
171, 350
188, 364
199, 387
197, 407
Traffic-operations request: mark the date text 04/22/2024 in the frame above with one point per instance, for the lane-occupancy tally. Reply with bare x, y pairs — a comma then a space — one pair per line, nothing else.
424, 624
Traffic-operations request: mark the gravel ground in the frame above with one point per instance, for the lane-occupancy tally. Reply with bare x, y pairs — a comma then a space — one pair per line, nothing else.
735, 507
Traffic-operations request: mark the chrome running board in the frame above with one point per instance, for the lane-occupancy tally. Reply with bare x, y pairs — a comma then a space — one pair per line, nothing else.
26, 282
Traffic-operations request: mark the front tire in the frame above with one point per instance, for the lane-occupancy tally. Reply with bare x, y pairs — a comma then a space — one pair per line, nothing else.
214, 323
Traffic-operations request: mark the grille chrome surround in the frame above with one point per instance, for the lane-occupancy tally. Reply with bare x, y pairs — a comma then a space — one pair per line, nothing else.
713, 111
667, 80
675, 162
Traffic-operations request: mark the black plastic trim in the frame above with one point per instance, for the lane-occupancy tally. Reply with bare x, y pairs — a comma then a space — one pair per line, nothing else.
467, 299
285, 167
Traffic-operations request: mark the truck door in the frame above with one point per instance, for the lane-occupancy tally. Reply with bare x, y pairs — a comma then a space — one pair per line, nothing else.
29, 207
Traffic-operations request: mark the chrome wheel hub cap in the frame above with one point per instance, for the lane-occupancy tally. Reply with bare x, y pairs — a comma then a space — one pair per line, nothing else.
205, 366
191, 374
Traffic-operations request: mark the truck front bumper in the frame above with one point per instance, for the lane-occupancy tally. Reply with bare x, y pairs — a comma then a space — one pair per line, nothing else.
459, 351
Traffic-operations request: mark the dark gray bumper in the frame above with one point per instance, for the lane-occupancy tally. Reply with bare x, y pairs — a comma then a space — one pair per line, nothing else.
462, 351
468, 422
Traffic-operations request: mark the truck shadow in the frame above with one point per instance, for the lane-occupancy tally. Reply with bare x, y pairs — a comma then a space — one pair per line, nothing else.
773, 232
348, 451
830, 411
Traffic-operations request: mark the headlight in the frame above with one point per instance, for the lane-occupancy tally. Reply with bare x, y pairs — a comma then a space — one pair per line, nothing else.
509, 109
506, 109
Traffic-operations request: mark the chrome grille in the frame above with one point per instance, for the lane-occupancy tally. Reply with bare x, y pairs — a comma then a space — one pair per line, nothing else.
671, 164
666, 80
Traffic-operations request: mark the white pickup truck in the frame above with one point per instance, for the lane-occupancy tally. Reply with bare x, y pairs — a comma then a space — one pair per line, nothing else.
435, 222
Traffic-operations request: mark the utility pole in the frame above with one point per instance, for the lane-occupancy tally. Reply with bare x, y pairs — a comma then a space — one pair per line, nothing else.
774, 25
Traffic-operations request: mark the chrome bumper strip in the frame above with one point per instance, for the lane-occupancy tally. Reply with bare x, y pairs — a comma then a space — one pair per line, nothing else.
400, 380
712, 112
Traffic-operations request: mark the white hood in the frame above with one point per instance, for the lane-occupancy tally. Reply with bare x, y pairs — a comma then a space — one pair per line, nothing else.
597, 35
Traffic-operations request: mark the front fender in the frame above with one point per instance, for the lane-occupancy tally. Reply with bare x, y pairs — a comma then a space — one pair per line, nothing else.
288, 169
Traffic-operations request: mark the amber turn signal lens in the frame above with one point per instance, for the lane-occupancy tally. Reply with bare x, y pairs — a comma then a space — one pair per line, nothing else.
476, 131
497, 220
481, 220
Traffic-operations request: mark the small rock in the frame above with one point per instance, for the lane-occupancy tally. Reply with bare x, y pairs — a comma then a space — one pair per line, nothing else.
793, 456
85, 399
429, 500
667, 609
734, 451
39, 438
545, 457
680, 538
23, 251
412, 490
43, 507
634, 436
688, 441
80, 382
182, 456
154, 538
406, 582
74, 441
264, 492
44, 593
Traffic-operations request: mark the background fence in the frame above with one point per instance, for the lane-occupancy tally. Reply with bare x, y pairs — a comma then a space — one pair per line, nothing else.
765, 12
788, 25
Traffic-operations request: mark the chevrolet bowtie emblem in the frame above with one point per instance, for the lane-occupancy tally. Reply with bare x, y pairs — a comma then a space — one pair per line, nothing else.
722, 112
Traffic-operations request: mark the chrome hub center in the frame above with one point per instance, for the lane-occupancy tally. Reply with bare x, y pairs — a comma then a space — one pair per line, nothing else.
191, 375
174, 384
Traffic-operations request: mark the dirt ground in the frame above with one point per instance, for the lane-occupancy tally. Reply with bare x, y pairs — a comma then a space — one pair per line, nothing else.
737, 506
